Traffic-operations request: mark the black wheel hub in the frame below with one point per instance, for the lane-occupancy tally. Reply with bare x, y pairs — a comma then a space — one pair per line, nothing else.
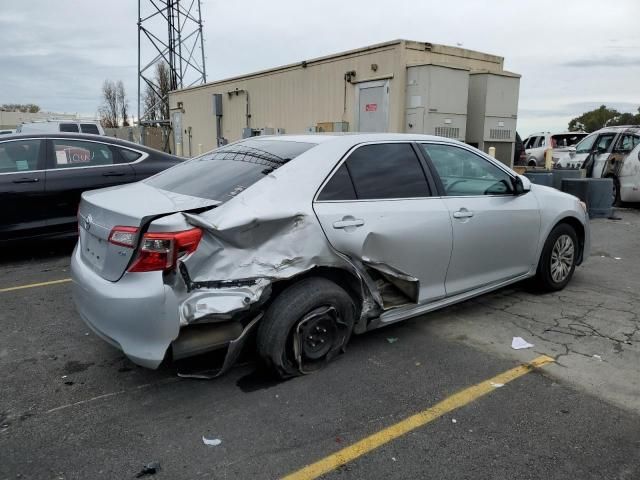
318, 334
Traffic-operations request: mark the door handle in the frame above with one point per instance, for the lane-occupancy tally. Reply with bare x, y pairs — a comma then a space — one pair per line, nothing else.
27, 180
462, 213
113, 174
348, 222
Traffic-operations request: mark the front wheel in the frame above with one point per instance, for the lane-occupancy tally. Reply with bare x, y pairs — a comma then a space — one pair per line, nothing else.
305, 327
558, 259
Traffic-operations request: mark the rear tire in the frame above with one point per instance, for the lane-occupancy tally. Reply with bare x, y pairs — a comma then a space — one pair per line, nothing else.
558, 260
305, 327
617, 202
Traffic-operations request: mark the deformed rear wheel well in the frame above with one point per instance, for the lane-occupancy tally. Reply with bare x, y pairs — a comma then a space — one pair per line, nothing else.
579, 229
343, 278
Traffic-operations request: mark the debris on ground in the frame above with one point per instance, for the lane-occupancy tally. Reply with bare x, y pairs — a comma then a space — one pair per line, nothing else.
213, 442
597, 357
149, 469
453, 420
497, 385
518, 343
392, 339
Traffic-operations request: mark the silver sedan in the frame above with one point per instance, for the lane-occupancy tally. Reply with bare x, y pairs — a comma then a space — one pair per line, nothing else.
303, 241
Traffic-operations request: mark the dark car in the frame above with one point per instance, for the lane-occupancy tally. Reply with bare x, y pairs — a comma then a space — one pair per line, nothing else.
43, 175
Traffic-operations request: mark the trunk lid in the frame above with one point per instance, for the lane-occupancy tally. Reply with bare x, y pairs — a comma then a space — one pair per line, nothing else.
132, 205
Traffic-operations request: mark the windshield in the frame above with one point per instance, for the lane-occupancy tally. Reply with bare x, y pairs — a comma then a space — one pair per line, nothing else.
227, 171
585, 145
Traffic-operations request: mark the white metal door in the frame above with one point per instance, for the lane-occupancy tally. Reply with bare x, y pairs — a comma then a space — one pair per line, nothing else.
372, 100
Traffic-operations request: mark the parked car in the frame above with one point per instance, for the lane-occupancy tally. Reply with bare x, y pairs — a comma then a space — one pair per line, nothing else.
308, 239
536, 145
92, 127
43, 175
627, 189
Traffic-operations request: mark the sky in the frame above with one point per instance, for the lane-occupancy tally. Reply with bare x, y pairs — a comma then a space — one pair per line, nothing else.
573, 55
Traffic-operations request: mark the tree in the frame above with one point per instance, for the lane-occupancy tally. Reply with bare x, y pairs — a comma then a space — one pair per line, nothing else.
603, 117
20, 107
114, 109
155, 101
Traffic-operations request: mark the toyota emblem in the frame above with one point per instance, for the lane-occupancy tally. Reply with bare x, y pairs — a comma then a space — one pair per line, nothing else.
87, 222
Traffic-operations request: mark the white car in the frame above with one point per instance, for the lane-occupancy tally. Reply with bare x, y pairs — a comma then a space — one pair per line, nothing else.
56, 126
536, 146
627, 187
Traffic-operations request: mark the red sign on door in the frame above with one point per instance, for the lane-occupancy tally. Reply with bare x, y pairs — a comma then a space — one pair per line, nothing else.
371, 107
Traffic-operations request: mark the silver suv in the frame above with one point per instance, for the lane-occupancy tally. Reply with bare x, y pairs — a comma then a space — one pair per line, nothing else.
536, 145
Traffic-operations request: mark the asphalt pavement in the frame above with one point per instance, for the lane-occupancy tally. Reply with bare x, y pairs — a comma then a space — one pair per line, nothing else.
72, 407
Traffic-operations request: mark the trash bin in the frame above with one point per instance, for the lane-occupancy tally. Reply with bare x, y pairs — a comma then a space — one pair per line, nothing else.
540, 178
597, 193
560, 174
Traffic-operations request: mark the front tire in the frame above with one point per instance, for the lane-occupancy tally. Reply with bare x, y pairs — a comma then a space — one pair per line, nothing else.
305, 327
558, 260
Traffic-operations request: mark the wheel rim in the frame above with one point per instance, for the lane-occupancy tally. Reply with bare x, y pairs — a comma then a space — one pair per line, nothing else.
562, 258
318, 336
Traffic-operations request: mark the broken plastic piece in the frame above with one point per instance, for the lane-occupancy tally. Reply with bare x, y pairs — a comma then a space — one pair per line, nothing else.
518, 343
497, 385
213, 442
149, 469
597, 357
453, 420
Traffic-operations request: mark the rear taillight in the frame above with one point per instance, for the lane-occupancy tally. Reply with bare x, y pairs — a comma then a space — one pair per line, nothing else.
161, 251
123, 236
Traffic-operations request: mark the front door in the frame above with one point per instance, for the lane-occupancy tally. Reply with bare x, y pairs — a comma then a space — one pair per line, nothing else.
23, 209
373, 106
601, 151
377, 209
495, 232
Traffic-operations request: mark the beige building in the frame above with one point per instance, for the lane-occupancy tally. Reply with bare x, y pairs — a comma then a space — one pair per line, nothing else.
397, 86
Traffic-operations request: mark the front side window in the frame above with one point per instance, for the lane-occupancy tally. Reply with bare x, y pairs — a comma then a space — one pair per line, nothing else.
75, 153
227, 171
604, 142
20, 156
464, 173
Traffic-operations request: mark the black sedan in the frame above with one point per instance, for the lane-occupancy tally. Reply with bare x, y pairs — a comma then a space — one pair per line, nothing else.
42, 177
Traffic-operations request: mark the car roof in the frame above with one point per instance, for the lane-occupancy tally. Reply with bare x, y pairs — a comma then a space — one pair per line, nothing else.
354, 137
81, 136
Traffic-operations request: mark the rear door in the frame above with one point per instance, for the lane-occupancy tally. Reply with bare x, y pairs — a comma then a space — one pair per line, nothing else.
377, 209
495, 232
74, 166
23, 208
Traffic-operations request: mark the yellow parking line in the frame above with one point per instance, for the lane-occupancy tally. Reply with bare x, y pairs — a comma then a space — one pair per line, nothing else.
388, 434
33, 285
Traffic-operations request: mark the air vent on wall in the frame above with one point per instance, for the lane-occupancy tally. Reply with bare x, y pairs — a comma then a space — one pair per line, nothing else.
449, 132
500, 134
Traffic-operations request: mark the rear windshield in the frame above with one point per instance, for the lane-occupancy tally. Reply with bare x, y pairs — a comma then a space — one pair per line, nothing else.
227, 171
567, 139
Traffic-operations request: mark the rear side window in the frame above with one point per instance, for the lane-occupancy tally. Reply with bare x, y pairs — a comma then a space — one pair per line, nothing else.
129, 155
74, 153
89, 128
21, 156
227, 171
627, 142
339, 187
69, 127
388, 170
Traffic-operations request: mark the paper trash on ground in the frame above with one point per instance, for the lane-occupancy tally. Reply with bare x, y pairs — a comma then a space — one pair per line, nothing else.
214, 442
519, 343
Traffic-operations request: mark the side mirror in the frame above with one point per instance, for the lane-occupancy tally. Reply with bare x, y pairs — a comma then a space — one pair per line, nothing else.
523, 184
